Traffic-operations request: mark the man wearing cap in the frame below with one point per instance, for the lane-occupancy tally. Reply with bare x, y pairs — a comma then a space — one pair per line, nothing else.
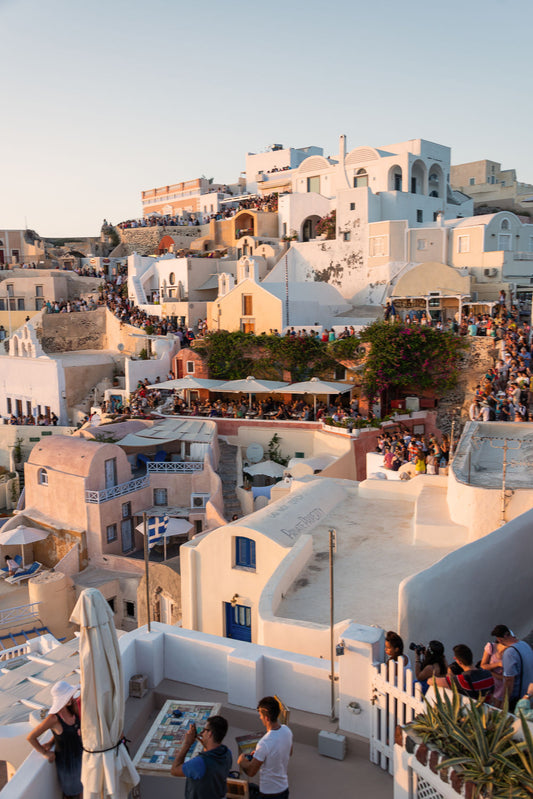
208, 772
517, 661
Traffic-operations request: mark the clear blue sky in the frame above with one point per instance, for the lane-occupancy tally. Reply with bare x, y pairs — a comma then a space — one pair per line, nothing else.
104, 98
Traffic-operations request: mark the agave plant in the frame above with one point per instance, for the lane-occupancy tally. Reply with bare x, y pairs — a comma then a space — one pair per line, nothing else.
437, 722
522, 762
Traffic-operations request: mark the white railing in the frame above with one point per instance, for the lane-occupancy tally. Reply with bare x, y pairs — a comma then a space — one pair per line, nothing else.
175, 468
14, 652
396, 699
523, 256
19, 615
96, 497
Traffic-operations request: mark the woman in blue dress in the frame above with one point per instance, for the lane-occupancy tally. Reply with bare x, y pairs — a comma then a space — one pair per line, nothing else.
64, 721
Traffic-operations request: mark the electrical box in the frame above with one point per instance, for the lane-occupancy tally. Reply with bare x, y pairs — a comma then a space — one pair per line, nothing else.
138, 685
332, 745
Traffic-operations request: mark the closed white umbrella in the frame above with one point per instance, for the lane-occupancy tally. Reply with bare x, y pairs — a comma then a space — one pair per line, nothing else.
107, 769
22, 535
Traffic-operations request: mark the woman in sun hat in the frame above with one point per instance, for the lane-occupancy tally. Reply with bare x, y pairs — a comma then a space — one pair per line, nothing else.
64, 721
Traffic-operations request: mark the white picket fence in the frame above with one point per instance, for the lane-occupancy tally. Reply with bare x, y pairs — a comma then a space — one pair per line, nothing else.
396, 699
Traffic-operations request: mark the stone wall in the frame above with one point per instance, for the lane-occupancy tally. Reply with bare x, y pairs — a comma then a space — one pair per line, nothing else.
60, 334
145, 240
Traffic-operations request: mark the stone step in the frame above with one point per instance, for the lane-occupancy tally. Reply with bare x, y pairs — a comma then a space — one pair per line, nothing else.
432, 523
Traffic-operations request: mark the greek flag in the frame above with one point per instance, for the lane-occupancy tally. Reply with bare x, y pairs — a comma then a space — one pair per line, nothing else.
156, 527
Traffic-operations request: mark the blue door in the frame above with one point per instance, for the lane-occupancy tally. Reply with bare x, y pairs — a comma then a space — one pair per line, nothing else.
238, 622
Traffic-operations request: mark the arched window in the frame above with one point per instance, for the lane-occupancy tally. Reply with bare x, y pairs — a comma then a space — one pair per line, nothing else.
505, 224
360, 179
172, 278
42, 476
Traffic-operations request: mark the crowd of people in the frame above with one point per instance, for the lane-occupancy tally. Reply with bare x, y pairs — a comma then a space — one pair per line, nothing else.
268, 203
503, 672
504, 395
426, 453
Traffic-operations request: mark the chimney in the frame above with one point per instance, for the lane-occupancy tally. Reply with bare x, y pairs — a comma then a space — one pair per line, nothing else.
342, 148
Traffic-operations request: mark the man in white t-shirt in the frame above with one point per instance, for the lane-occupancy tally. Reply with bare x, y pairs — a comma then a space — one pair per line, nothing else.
271, 757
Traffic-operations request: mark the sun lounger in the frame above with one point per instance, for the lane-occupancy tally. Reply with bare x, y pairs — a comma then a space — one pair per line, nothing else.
4, 571
26, 574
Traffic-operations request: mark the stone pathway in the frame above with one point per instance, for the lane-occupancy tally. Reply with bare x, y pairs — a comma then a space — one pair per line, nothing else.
227, 471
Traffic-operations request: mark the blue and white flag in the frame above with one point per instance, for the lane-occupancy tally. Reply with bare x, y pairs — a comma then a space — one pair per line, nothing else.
156, 527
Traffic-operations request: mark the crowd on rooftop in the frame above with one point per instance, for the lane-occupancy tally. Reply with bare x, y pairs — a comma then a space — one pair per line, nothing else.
505, 668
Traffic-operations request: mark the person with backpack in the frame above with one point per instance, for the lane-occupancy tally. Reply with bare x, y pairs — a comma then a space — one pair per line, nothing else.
517, 661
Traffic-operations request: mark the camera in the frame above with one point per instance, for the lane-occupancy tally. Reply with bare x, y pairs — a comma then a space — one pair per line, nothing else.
418, 648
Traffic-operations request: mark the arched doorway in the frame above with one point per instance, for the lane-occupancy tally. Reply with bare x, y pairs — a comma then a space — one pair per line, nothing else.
395, 178
418, 178
309, 227
244, 225
436, 181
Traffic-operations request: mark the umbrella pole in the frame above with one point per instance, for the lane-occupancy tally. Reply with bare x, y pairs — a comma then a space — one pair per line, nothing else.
146, 558
165, 547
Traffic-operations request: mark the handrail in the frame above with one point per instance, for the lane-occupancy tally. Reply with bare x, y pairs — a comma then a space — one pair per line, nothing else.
19, 614
96, 497
179, 466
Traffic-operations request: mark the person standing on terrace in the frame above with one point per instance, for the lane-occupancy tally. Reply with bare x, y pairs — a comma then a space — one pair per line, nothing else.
271, 757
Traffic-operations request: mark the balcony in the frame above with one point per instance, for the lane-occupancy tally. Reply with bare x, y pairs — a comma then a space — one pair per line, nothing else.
182, 467
97, 497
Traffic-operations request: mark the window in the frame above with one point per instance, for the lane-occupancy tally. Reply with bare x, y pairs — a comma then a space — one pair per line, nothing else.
397, 181
346, 236
198, 526
126, 510
378, 245
42, 476
10, 290
463, 244
112, 602
472, 181
39, 291
172, 278
352, 206
110, 469
15, 254
129, 609
313, 184
160, 496
419, 216
2, 305
9, 406
111, 533
421, 244
505, 224
244, 552
39, 302
247, 326
190, 367
28, 408
435, 215
247, 304
530, 246
360, 179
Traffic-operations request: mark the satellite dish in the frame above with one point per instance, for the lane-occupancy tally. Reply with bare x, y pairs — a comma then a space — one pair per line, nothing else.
254, 453
120, 347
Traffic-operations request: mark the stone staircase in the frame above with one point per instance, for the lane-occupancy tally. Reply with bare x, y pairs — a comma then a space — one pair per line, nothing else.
227, 471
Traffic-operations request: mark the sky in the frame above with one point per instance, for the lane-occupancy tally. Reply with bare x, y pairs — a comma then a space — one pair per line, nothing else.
105, 98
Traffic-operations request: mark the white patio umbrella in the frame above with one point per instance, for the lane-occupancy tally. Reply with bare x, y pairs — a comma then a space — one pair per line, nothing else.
22, 535
107, 770
250, 385
188, 384
267, 468
315, 386
174, 527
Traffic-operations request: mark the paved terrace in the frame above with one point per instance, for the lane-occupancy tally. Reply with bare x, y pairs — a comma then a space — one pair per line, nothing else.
311, 776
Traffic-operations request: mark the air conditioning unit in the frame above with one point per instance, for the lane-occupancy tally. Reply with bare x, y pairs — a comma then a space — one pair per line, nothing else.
490, 272
199, 501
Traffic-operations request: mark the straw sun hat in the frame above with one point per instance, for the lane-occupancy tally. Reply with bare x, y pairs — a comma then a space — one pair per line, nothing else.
62, 692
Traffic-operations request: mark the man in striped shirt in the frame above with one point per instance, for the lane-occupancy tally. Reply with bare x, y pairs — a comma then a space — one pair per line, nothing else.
471, 681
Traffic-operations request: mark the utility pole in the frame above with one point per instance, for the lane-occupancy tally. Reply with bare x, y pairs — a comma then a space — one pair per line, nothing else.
332, 550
